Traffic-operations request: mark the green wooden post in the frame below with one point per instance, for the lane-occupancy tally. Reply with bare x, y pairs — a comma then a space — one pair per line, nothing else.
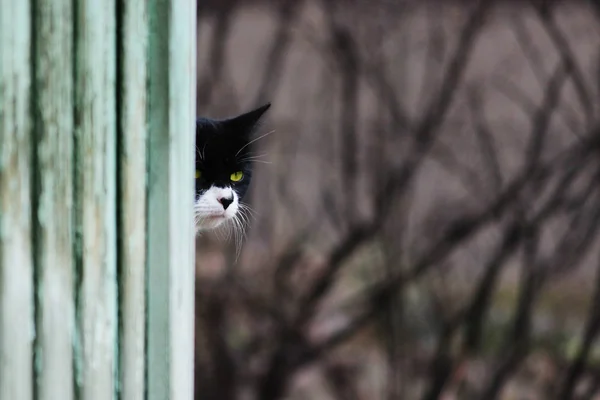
132, 215
95, 197
96, 184
52, 200
16, 264
170, 202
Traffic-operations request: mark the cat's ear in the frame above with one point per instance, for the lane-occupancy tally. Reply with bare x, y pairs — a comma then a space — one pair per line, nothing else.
247, 122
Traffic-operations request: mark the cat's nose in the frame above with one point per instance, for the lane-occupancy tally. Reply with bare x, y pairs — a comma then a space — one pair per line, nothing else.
226, 201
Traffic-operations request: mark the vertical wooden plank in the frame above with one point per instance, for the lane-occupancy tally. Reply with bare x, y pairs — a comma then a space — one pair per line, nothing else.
170, 198
182, 125
132, 137
53, 193
95, 63
16, 264
158, 351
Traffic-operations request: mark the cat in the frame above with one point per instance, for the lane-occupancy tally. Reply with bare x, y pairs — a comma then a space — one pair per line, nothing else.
224, 161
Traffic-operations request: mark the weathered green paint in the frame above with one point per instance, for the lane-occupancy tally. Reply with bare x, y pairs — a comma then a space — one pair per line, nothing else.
16, 264
132, 138
170, 198
52, 117
96, 177
87, 271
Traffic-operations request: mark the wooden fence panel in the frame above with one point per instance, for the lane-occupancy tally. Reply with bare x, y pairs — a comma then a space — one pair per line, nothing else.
131, 145
16, 263
170, 201
95, 196
96, 189
52, 201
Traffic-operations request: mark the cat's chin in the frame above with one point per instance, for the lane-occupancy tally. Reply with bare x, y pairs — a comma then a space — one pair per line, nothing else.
210, 223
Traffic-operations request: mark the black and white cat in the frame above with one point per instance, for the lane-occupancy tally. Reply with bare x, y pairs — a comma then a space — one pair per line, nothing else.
224, 161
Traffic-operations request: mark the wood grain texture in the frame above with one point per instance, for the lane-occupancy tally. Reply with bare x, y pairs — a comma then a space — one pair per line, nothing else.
85, 274
16, 263
53, 195
95, 116
182, 125
170, 196
132, 138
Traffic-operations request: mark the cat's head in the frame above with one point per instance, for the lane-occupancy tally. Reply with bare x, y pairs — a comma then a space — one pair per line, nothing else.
223, 167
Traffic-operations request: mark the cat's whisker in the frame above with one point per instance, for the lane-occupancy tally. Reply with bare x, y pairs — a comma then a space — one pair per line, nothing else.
246, 214
251, 157
203, 150
259, 162
262, 162
241, 235
242, 222
247, 209
253, 140
219, 233
227, 229
256, 161
241, 216
235, 227
246, 217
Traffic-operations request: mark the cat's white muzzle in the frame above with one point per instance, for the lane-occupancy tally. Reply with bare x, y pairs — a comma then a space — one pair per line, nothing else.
215, 206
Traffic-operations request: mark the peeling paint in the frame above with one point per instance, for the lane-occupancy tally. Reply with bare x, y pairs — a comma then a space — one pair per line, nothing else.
16, 264
74, 228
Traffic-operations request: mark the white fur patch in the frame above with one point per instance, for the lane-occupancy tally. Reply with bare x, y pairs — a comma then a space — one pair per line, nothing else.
209, 212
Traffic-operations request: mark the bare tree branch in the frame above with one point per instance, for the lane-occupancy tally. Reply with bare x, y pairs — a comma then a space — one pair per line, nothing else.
576, 368
568, 57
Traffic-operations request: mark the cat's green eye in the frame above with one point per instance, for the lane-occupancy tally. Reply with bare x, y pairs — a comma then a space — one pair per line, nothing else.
198, 174
236, 176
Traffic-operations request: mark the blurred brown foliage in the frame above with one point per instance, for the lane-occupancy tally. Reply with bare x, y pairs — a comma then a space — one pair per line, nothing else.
427, 212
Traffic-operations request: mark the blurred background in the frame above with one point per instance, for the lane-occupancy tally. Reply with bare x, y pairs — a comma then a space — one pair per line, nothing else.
426, 209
